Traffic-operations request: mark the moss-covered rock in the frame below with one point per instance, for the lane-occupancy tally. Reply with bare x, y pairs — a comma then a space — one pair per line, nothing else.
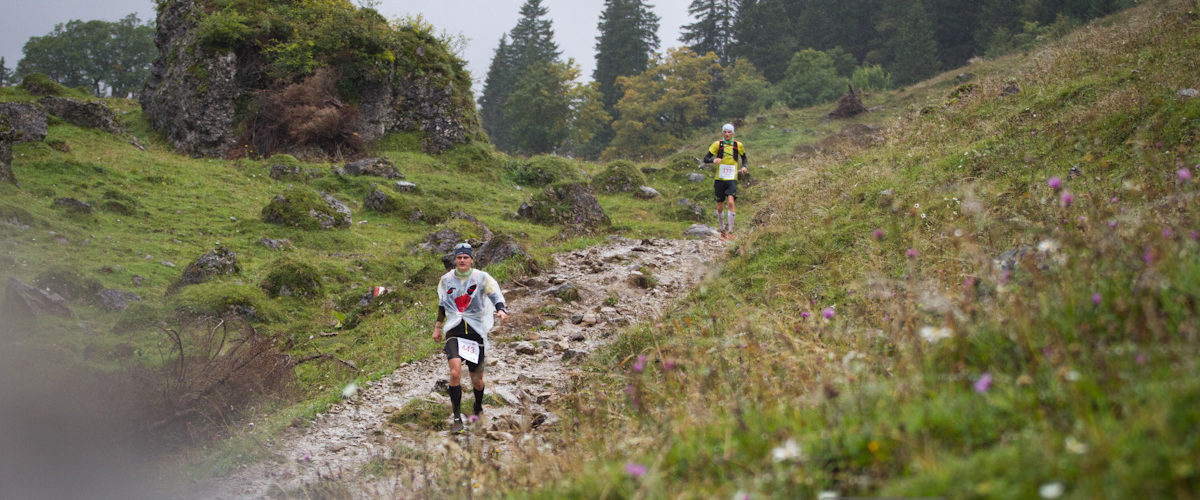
571, 204
306, 209
219, 298
620, 176
542, 170
288, 277
70, 284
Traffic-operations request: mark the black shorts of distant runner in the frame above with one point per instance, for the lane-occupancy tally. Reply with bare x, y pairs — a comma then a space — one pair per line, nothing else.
460, 331
724, 189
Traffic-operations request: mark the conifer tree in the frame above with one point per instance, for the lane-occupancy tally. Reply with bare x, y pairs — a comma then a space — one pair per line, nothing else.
533, 37
764, 35
5, 73
496, 88
713, 29
627, 41
914, 48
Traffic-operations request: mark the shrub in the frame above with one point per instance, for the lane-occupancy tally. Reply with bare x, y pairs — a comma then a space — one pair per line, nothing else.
291, 277
42, 85
542, 170
620, 176
872, 77
811, 79
305, 117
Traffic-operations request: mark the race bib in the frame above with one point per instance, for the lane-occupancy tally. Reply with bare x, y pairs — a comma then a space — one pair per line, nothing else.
468, 350
727, 172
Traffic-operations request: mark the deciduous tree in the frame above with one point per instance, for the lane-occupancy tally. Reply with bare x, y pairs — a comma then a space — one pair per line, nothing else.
663, 104
105, 57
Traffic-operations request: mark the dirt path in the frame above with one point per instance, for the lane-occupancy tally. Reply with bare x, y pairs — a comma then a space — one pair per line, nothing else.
528, 375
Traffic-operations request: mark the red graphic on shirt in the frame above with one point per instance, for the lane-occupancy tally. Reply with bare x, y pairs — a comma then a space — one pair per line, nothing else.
464, 300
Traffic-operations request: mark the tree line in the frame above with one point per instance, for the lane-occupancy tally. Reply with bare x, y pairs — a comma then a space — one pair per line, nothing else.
738, 56
106, 58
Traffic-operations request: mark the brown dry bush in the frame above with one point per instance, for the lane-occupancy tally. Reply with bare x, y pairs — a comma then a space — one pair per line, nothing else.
304, 118
211, 368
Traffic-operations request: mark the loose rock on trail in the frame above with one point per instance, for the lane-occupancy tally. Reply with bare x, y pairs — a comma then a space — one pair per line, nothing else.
528, 375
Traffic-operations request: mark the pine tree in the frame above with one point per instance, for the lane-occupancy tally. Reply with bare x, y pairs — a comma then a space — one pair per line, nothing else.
5, 73
529, 46
628, 38
915, 49
764, 35
713, 29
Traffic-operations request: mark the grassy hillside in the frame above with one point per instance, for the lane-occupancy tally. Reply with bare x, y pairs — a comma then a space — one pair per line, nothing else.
998, 302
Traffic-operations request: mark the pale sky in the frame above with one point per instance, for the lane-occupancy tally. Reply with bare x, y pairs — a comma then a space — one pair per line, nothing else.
481, 21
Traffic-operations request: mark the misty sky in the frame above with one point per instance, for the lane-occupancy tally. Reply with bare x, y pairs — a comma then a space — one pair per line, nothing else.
482, 21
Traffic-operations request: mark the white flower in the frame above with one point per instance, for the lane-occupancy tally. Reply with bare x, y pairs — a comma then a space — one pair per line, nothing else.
789, 450
1051, 490
1048, 246
828, 495
350, 390
922, 215
1073, 376
1075, 446
935, 335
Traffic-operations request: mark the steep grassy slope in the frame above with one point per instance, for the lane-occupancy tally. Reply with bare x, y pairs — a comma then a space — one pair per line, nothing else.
999, 302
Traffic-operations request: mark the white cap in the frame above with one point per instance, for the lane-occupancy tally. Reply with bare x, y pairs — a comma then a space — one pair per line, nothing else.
728, 126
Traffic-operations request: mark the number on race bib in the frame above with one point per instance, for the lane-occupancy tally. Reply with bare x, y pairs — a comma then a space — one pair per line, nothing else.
468, 350
726, 172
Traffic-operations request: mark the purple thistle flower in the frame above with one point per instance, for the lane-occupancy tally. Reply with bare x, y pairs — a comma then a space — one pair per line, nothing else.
1067, 199
1184, 174
640, 364
1166, 232
1096, 298
473, 418
827, 313
1113, 200
668, 365
1141, 358
911, 253
877, 234
1148, 256
1112, 223
804, 315
1194, 235
1055, 183
984, 383
634, 469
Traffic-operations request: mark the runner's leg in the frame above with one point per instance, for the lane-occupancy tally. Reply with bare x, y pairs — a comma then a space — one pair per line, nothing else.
455, 388
477, 384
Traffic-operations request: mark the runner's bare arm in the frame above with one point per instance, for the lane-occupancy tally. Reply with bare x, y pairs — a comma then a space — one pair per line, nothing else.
437, 327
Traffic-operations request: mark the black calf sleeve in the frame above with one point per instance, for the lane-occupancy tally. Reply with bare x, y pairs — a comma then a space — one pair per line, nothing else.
478, 401
456, 399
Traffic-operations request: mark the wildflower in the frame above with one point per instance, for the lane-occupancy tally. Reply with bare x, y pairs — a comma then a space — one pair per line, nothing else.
1112, 223
827, 313
804, 315
350, 390
1140, 359
787, 451
1183, 174
1051, 490
877, 234
473, 418
640, 364
1166, 232
1096, 298
828, 495
1075, 446
668, 365
1148, 256
634, 469
1047, 246
984, 383
1194, 235
1073, 376
1113, 200
741, 495
911, 253
1067, 199
1055, 183
934, 335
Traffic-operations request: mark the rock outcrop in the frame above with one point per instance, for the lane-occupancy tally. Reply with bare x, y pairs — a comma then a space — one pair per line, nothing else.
87, 114
574, 205
196, 87
19, 122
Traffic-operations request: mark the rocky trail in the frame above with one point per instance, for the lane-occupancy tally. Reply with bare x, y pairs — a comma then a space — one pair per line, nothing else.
534, 355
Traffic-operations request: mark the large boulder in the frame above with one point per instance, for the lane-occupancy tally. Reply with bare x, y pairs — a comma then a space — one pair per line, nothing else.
88, 114
218, 262
116, 300
620, 176
305, 209
573, 205
378, 167
504, 247
22, 300
19, 122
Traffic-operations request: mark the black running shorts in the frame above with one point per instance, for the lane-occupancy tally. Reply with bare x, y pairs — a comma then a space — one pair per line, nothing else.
725, 189
460, 330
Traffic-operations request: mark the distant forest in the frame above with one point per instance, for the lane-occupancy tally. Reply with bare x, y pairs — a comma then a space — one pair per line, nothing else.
742, 56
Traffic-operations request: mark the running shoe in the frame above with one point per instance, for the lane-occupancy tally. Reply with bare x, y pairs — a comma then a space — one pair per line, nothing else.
457, 426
